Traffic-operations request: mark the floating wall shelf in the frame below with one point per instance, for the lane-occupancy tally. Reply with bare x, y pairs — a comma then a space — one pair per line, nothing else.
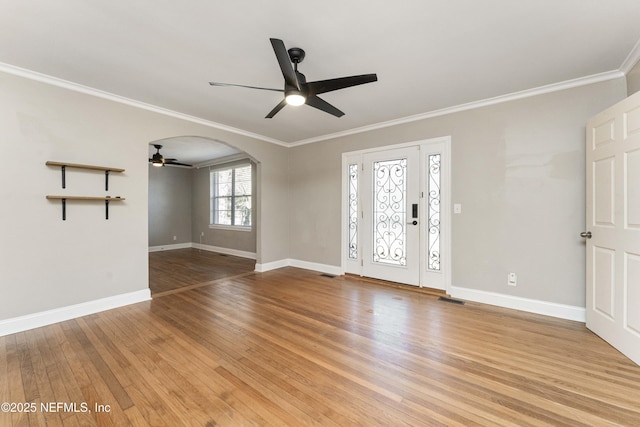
65, 198
64, 166
106, 199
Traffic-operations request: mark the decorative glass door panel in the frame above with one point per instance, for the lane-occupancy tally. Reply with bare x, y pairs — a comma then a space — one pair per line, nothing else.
353, 210
433, 213
389, 212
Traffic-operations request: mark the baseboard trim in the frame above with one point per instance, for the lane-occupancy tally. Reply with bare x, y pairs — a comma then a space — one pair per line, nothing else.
546, 308
170, 247
306, 265
49, 317
210, 248
226, 251
274, 265
322, 268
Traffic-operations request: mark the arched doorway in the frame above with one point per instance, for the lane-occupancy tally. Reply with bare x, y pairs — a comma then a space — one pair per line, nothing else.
202, 217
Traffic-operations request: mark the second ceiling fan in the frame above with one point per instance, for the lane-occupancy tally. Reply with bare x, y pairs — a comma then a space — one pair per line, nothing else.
297, 90
159, 160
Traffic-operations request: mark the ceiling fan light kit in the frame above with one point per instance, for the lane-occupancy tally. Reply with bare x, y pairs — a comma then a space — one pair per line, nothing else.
295, 98
296, 89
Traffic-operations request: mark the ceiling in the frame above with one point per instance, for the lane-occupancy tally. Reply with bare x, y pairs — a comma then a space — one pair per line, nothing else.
428, 54
193, 150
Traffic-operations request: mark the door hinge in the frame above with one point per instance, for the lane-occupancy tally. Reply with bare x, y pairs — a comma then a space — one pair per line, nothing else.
361, 263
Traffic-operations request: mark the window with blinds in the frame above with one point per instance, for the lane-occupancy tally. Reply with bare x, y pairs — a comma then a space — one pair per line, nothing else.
231, 196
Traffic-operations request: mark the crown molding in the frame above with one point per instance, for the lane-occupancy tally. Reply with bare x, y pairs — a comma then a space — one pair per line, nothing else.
629, 62
632, 59
223, 160
554, 87
54, 81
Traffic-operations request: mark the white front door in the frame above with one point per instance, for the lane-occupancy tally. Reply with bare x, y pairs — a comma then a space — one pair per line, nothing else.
390, 200
613, 226
396, 224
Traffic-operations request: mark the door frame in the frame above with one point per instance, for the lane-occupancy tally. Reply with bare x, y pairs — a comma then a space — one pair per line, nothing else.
426, 146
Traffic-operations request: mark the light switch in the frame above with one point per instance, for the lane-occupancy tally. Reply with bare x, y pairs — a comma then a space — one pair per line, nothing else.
457, 208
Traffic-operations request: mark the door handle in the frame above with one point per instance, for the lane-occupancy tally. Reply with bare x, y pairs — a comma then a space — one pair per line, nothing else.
414, 222
585, 234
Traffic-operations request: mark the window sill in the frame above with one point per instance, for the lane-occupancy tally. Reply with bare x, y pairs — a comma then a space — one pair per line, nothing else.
229, 227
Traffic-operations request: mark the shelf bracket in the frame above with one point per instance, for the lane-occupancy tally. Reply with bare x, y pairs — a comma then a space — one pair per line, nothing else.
106, 209
64, 207
106, 181
63, 168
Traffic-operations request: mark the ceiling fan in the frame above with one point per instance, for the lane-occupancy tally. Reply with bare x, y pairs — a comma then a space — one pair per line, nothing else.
158, 160
297, 90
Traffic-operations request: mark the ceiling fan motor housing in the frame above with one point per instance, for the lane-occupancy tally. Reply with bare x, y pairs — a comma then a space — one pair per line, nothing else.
157, 157
296, 54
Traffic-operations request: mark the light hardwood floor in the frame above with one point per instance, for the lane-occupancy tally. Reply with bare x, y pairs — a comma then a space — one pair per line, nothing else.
186, 268
291, 347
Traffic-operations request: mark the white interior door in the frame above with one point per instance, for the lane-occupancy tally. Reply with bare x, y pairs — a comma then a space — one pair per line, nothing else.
390, 198
613, 226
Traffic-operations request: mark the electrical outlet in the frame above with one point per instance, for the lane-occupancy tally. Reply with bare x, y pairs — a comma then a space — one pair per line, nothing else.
175, 238
202, 234
512, 279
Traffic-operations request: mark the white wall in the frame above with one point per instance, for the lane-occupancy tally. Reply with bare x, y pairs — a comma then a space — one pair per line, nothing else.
47, 263
518, 171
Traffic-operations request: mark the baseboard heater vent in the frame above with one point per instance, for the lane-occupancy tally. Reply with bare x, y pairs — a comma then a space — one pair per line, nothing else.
330, 276
451, 300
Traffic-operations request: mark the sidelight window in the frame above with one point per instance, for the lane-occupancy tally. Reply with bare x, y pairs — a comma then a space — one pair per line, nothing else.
433, 232
353, 211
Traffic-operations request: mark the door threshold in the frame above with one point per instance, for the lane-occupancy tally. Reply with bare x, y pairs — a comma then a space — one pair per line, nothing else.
396, 285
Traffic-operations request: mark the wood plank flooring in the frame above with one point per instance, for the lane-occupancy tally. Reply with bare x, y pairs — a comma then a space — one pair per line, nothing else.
290, 347
183, 268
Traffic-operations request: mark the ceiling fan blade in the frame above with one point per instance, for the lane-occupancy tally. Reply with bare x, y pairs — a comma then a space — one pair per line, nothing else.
276, 109
177, 163
282, 55
323, 105
248, 87
323, 86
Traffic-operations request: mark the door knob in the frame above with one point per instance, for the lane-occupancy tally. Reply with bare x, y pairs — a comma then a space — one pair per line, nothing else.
414, 222
585, 234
